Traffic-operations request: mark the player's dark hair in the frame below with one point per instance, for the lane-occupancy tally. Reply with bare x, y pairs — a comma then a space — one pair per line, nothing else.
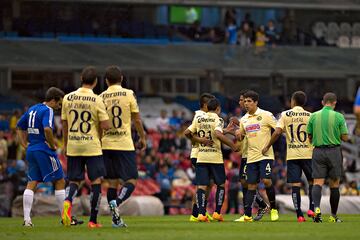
54, 93
329, 97
113, 74
88, 75
204, 99
242, 92
213, 104
300, 98
252, 94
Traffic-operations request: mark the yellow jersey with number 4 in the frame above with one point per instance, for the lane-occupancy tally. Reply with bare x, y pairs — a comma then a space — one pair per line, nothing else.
205, 126
257, 130
120, 103
83, 110
294, 123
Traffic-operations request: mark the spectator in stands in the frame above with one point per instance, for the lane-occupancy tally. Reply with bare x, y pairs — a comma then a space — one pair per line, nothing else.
164, 179
357, 112
149, 166
245, 35
234, 186
247, 20
271, 34
175, 121
162, 122
261, 40
166, 143
14, 119
231, 34
195, 32
3, 150
4, 123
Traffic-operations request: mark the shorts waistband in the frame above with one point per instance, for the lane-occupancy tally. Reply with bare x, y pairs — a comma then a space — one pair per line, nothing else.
327, 146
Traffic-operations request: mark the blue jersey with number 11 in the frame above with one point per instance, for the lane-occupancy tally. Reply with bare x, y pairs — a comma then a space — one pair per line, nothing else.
34, 121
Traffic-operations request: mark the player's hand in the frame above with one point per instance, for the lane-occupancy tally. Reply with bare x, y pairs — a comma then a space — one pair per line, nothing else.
265, 150
236, 148
52, 148
207, 142
142, 144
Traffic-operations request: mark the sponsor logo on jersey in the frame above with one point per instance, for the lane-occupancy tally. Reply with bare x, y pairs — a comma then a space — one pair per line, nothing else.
253, 128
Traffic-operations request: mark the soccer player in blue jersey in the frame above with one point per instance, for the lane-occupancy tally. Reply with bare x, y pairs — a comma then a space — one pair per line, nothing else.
35, 132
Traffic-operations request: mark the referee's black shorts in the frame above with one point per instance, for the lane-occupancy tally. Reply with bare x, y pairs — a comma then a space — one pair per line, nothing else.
327, 162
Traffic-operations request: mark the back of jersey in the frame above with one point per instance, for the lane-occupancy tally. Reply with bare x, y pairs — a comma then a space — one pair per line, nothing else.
34, 121
120, 103
294, 123
83, 110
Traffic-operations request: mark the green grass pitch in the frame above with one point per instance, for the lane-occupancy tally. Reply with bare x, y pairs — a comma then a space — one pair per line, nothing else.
178, 227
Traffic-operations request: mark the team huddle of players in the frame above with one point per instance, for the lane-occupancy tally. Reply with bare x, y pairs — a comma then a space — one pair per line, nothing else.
97, 139
255, 141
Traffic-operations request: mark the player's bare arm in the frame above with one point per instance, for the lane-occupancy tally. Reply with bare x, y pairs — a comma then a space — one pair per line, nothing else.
22, 135
65, 133
195, 138
277, 133
49, 136
140, 130
227, 141
345, 138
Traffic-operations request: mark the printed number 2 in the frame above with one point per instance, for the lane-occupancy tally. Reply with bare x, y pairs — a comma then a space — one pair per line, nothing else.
32, 119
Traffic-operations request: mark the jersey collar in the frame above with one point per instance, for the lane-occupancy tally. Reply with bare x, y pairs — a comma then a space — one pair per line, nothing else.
115, 87
328, 108
298, 108
88, 90
257, 112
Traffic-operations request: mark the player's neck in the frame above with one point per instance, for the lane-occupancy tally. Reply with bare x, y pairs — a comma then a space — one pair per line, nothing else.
48, 104
253, 112
88, 86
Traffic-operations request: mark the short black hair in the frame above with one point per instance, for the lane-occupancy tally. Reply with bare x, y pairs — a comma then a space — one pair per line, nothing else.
113, 74
54, 93
242, 92
88, 75
213, 104
329, 97
300, 98
252, 94
204, 99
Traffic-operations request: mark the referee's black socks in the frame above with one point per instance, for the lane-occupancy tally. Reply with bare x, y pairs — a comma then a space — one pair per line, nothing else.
334, 200
316, 194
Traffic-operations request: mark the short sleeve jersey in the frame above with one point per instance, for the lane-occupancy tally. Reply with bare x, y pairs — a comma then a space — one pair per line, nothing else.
244, 146
83, 110
120, 103
257, 130
34, 121
205, 126
294, 123
195, 146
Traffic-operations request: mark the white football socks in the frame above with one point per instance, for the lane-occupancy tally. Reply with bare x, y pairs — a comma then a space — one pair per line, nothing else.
28, 199
60, 197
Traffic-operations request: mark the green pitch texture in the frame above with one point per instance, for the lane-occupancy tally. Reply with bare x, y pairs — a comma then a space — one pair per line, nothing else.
178, 227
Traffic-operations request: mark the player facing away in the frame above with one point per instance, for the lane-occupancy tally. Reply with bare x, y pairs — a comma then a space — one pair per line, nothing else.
210, 161
294, 123
204, 98
35, 132
263, 207
117, 144
83, 117
256, 126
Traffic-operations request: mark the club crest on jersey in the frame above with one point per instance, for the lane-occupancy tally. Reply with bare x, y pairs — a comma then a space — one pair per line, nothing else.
253, 128
259, 118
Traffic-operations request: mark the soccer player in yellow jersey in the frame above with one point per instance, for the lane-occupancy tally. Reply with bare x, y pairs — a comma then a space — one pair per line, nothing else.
299, 150
256, 126
117, 143
263, 207
83, 114
204, 98
210, 161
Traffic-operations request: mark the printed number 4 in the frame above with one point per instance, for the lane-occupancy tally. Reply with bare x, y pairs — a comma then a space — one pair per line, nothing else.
268, 168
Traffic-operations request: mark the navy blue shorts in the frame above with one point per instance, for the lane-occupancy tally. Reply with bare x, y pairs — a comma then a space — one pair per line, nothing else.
295, 169
120, 164
208, 171
44, 166
94, 165
193, 162
242, 172
259, 170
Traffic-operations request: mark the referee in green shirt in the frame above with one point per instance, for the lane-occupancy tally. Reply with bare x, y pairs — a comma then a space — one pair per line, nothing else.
326, 129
